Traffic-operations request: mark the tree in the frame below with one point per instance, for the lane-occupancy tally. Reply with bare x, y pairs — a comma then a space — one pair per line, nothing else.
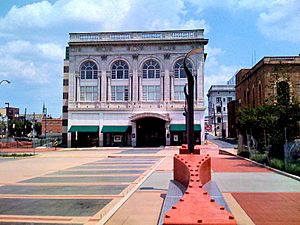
277, 121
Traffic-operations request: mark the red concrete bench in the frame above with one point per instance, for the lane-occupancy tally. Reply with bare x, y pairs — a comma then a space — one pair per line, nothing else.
195, 206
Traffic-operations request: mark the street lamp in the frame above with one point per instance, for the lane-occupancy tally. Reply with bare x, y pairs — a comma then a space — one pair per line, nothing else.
189, 95
7, 114
7, 81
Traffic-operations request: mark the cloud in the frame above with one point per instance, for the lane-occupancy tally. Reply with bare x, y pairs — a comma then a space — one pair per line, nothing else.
30, 63
281, 21
215, 71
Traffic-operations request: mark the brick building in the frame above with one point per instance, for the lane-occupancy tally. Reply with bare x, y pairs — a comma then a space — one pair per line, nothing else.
258, 85
51, 126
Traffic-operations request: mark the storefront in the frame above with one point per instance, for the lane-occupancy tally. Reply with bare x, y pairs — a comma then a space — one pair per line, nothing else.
178, 134
116, 135
84, 136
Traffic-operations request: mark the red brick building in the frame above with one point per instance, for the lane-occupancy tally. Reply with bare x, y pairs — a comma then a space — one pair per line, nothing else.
51, 126
258, 85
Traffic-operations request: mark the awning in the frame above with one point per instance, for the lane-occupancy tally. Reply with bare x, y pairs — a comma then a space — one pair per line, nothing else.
115, 129
84, 129
181, 127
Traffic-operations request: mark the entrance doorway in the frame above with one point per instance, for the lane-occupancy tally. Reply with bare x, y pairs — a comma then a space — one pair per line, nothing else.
151, 132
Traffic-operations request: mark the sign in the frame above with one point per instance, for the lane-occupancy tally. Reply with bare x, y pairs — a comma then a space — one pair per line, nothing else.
175, 137
117, 138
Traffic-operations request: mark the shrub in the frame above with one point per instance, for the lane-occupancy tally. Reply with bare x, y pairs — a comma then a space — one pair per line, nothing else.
244, 154
277, 164
260, 158
293, 168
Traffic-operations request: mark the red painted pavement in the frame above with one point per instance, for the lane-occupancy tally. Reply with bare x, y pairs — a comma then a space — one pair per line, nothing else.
271, 208
234, 164
27, 150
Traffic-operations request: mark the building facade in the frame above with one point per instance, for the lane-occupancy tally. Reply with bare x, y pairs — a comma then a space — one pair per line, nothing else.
218, 98
51, 126
258, 85
126, 88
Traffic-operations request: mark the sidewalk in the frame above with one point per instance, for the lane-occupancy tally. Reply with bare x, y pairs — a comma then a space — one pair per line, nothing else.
254, 194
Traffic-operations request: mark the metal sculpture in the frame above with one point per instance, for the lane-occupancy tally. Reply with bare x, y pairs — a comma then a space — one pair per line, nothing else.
189, 95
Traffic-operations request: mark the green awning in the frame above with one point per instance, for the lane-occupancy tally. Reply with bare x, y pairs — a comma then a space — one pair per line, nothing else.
181, 127
115, 129
84, 129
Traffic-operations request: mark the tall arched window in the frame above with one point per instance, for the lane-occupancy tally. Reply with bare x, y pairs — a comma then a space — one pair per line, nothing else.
179, 69
151, 69
88, 70
253, 97
283, 93
119, 70
259, 94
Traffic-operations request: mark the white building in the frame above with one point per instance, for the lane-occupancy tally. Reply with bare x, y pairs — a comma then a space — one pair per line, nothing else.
126, 88
218, 98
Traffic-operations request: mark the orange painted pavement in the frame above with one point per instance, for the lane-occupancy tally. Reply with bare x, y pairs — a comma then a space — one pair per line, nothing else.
193, 171
235, 164
271, 208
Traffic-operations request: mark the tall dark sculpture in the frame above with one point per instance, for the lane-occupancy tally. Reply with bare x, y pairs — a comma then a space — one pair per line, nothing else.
189, 95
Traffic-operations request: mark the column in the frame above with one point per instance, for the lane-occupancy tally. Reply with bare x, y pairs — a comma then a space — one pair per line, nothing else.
140, 85
167, 85
172, 87
103, 85
99, 88
69, 140
168, 135
162, 77
77, 87
135, 80
101, 137
108, 86
133, 134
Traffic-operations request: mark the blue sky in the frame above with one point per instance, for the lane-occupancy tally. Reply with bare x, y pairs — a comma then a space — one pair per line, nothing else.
33, 36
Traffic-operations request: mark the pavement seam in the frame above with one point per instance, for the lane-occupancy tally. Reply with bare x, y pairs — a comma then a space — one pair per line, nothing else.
114, 209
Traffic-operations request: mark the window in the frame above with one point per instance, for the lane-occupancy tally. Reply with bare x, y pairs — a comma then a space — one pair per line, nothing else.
151, 69
219, 120
229, 99
224, 109
119, 93
179, 69
151, 93
65, 82
88, 70
88, 93
65, 95
65, 109
179, 92
259, 94
218, 99
219, 109
66, 69
283, 93
119, 70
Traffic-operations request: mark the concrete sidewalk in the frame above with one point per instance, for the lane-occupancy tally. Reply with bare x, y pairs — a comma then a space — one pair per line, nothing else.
127, 186
254, 194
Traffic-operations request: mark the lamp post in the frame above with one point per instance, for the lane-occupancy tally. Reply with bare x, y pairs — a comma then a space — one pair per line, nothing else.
7, 114
189, 95
7, 81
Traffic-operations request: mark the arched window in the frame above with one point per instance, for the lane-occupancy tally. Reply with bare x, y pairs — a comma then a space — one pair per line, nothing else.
151, 69
259, 94
283, 93
253, 97
179, 69
119, 70
88, 70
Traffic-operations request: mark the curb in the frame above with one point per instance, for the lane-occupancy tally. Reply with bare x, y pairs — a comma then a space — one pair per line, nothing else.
295, 177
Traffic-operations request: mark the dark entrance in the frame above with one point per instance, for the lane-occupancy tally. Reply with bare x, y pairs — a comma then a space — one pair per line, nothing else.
151, 132
85, 139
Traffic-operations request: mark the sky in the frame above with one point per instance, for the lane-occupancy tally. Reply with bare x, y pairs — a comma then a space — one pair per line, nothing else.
34, 34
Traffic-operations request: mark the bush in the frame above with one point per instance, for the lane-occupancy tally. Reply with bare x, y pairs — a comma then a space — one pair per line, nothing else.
293, 168
277, 164
244, 154
260, 158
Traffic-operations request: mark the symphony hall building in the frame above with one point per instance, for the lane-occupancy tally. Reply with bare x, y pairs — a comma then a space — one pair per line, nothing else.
126, 88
